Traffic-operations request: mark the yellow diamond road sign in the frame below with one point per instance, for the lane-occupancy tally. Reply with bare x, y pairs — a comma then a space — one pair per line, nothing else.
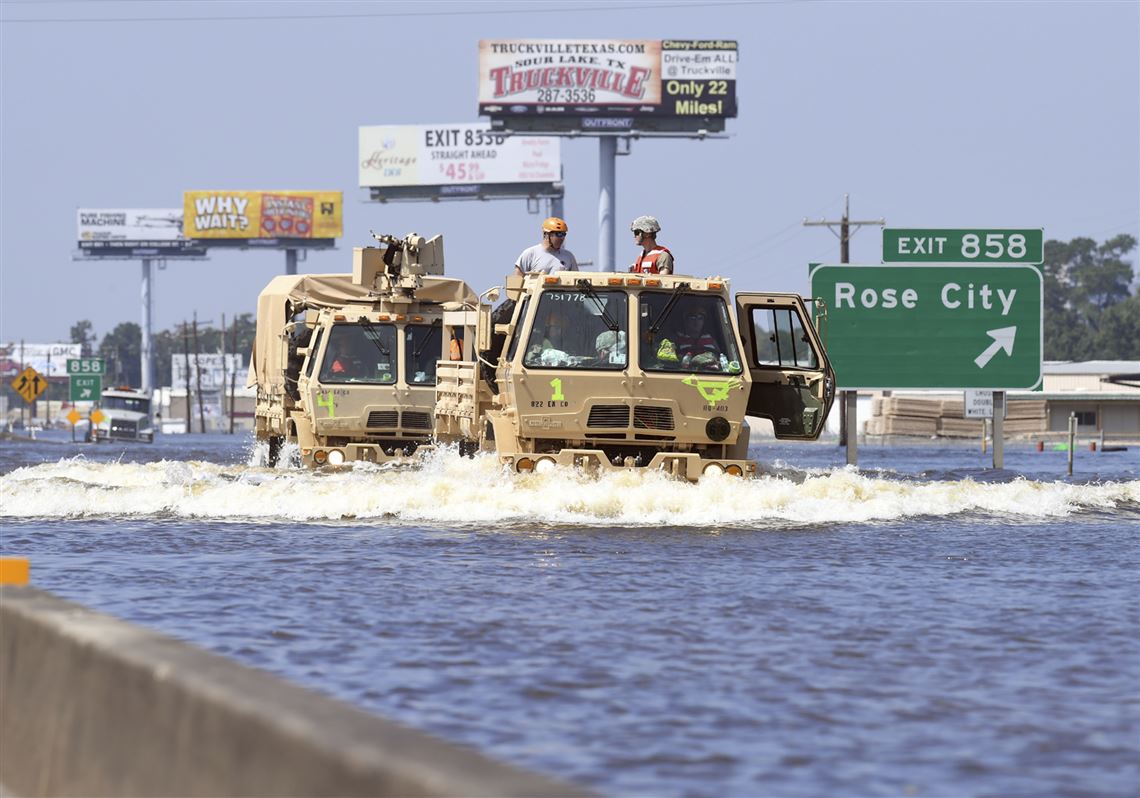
29, 383
97, 417
74, 416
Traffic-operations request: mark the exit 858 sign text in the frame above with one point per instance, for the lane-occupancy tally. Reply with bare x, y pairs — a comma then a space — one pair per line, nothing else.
963, 246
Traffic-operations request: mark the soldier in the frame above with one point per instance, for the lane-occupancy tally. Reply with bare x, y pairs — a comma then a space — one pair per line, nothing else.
654, 258
548, 256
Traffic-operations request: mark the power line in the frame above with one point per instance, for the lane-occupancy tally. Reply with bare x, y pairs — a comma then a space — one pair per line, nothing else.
394, 14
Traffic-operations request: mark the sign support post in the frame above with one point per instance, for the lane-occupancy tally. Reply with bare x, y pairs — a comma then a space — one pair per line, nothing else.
147, 353
607, 201
999, 432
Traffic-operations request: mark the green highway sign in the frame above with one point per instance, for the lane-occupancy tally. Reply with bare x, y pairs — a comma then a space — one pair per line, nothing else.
945, 326
963, 246
85, 365
86, 387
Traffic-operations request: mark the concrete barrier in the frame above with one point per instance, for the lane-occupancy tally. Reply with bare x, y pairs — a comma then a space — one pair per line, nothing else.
91, 705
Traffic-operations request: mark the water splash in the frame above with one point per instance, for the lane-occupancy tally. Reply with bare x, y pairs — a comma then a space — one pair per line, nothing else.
452, 491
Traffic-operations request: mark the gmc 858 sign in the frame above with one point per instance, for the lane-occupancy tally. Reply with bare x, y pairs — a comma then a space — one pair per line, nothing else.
559, 84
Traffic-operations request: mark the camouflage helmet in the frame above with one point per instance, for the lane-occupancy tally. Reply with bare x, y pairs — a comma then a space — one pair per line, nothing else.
646, 224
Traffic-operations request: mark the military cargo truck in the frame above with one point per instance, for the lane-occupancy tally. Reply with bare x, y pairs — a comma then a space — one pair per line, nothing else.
605, 371
345, 364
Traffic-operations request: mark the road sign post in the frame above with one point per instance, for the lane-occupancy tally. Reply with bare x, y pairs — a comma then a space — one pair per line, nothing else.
944, 326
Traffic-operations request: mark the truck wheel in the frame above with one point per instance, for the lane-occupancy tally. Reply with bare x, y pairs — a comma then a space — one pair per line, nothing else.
274, 451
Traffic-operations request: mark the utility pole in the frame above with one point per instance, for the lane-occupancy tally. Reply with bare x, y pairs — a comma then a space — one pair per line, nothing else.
848, 400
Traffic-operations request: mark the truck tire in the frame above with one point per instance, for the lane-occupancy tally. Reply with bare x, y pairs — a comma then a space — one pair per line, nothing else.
274, 451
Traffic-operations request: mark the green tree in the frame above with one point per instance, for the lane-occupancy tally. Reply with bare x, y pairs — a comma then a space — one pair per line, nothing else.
84, 334
1083, 281
1119, 335
121, 350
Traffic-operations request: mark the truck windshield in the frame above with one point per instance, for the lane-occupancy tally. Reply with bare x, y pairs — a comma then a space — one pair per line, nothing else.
579, 329
134, 404
423, 346
689, 332
360, 354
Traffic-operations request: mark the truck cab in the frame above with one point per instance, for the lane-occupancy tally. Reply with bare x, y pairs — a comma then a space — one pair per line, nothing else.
126, 416
607, 371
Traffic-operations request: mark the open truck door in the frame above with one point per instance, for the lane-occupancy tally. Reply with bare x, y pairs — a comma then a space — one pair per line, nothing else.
793, 385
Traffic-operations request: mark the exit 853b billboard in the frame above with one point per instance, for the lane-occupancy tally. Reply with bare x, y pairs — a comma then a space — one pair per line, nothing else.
262, 214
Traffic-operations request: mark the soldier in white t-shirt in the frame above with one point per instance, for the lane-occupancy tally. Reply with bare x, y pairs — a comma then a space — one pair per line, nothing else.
550, 255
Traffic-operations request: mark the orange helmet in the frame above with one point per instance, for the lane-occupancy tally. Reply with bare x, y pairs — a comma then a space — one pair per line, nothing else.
554, 225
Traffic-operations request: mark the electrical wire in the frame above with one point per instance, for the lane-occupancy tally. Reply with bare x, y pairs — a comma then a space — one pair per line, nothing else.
396, 14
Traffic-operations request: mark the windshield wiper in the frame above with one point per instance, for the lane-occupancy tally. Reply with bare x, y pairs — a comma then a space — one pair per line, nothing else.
665, 311
373, 335
435, 327
589, 291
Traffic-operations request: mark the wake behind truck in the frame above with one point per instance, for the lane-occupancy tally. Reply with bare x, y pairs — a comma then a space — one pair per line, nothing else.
345, 365
604, 371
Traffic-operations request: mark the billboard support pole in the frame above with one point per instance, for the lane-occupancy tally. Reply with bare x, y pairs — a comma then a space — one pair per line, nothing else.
290, 261
607, 190
146, 351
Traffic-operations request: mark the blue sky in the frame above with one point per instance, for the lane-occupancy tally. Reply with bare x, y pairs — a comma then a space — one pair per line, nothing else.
929, 114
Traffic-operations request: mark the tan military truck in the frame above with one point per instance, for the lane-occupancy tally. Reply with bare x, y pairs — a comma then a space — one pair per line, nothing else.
606, 371
345, 364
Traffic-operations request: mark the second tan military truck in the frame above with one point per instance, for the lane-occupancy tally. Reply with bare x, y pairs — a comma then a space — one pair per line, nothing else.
345, 364
605, 371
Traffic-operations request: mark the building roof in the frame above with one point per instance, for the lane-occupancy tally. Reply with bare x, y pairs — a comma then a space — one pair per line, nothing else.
1099, 367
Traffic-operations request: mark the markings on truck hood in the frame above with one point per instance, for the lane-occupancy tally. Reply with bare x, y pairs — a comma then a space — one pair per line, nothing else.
713, 390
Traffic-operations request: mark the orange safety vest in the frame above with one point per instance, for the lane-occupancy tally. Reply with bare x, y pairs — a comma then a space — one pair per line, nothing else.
647, 261
456, 353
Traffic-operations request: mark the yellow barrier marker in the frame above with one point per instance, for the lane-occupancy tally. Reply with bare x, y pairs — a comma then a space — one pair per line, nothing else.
14, 571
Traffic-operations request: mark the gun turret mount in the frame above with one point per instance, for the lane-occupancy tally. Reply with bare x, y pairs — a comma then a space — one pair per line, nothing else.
397, 266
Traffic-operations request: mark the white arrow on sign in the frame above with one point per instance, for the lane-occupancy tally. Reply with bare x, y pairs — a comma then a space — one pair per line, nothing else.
1003, 339
86, 392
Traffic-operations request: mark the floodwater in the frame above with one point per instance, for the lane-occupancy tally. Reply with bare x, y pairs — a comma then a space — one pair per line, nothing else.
920, 626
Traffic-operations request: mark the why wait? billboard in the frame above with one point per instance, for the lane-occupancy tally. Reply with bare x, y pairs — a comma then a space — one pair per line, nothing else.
263, 214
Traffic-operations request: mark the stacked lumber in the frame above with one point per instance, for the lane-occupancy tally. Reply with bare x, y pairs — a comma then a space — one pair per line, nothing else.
901, 425
942, 417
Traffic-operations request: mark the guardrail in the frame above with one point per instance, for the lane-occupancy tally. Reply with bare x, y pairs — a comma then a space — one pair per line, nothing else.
91, 706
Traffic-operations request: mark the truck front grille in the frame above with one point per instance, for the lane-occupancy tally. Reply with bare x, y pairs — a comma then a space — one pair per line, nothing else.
648, 417
414, 420
384, 418
124, 427
608, 416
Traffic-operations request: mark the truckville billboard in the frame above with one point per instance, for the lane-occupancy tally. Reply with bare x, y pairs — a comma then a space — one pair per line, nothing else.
607, 84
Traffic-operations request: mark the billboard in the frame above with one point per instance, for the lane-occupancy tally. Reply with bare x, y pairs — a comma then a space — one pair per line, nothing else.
456, 160
246, 215
607, 84
48, 359
133, 231
216, 371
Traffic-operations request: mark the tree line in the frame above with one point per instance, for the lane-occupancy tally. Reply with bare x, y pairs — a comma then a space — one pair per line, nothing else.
1091, 310
121, 348
1091, 313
